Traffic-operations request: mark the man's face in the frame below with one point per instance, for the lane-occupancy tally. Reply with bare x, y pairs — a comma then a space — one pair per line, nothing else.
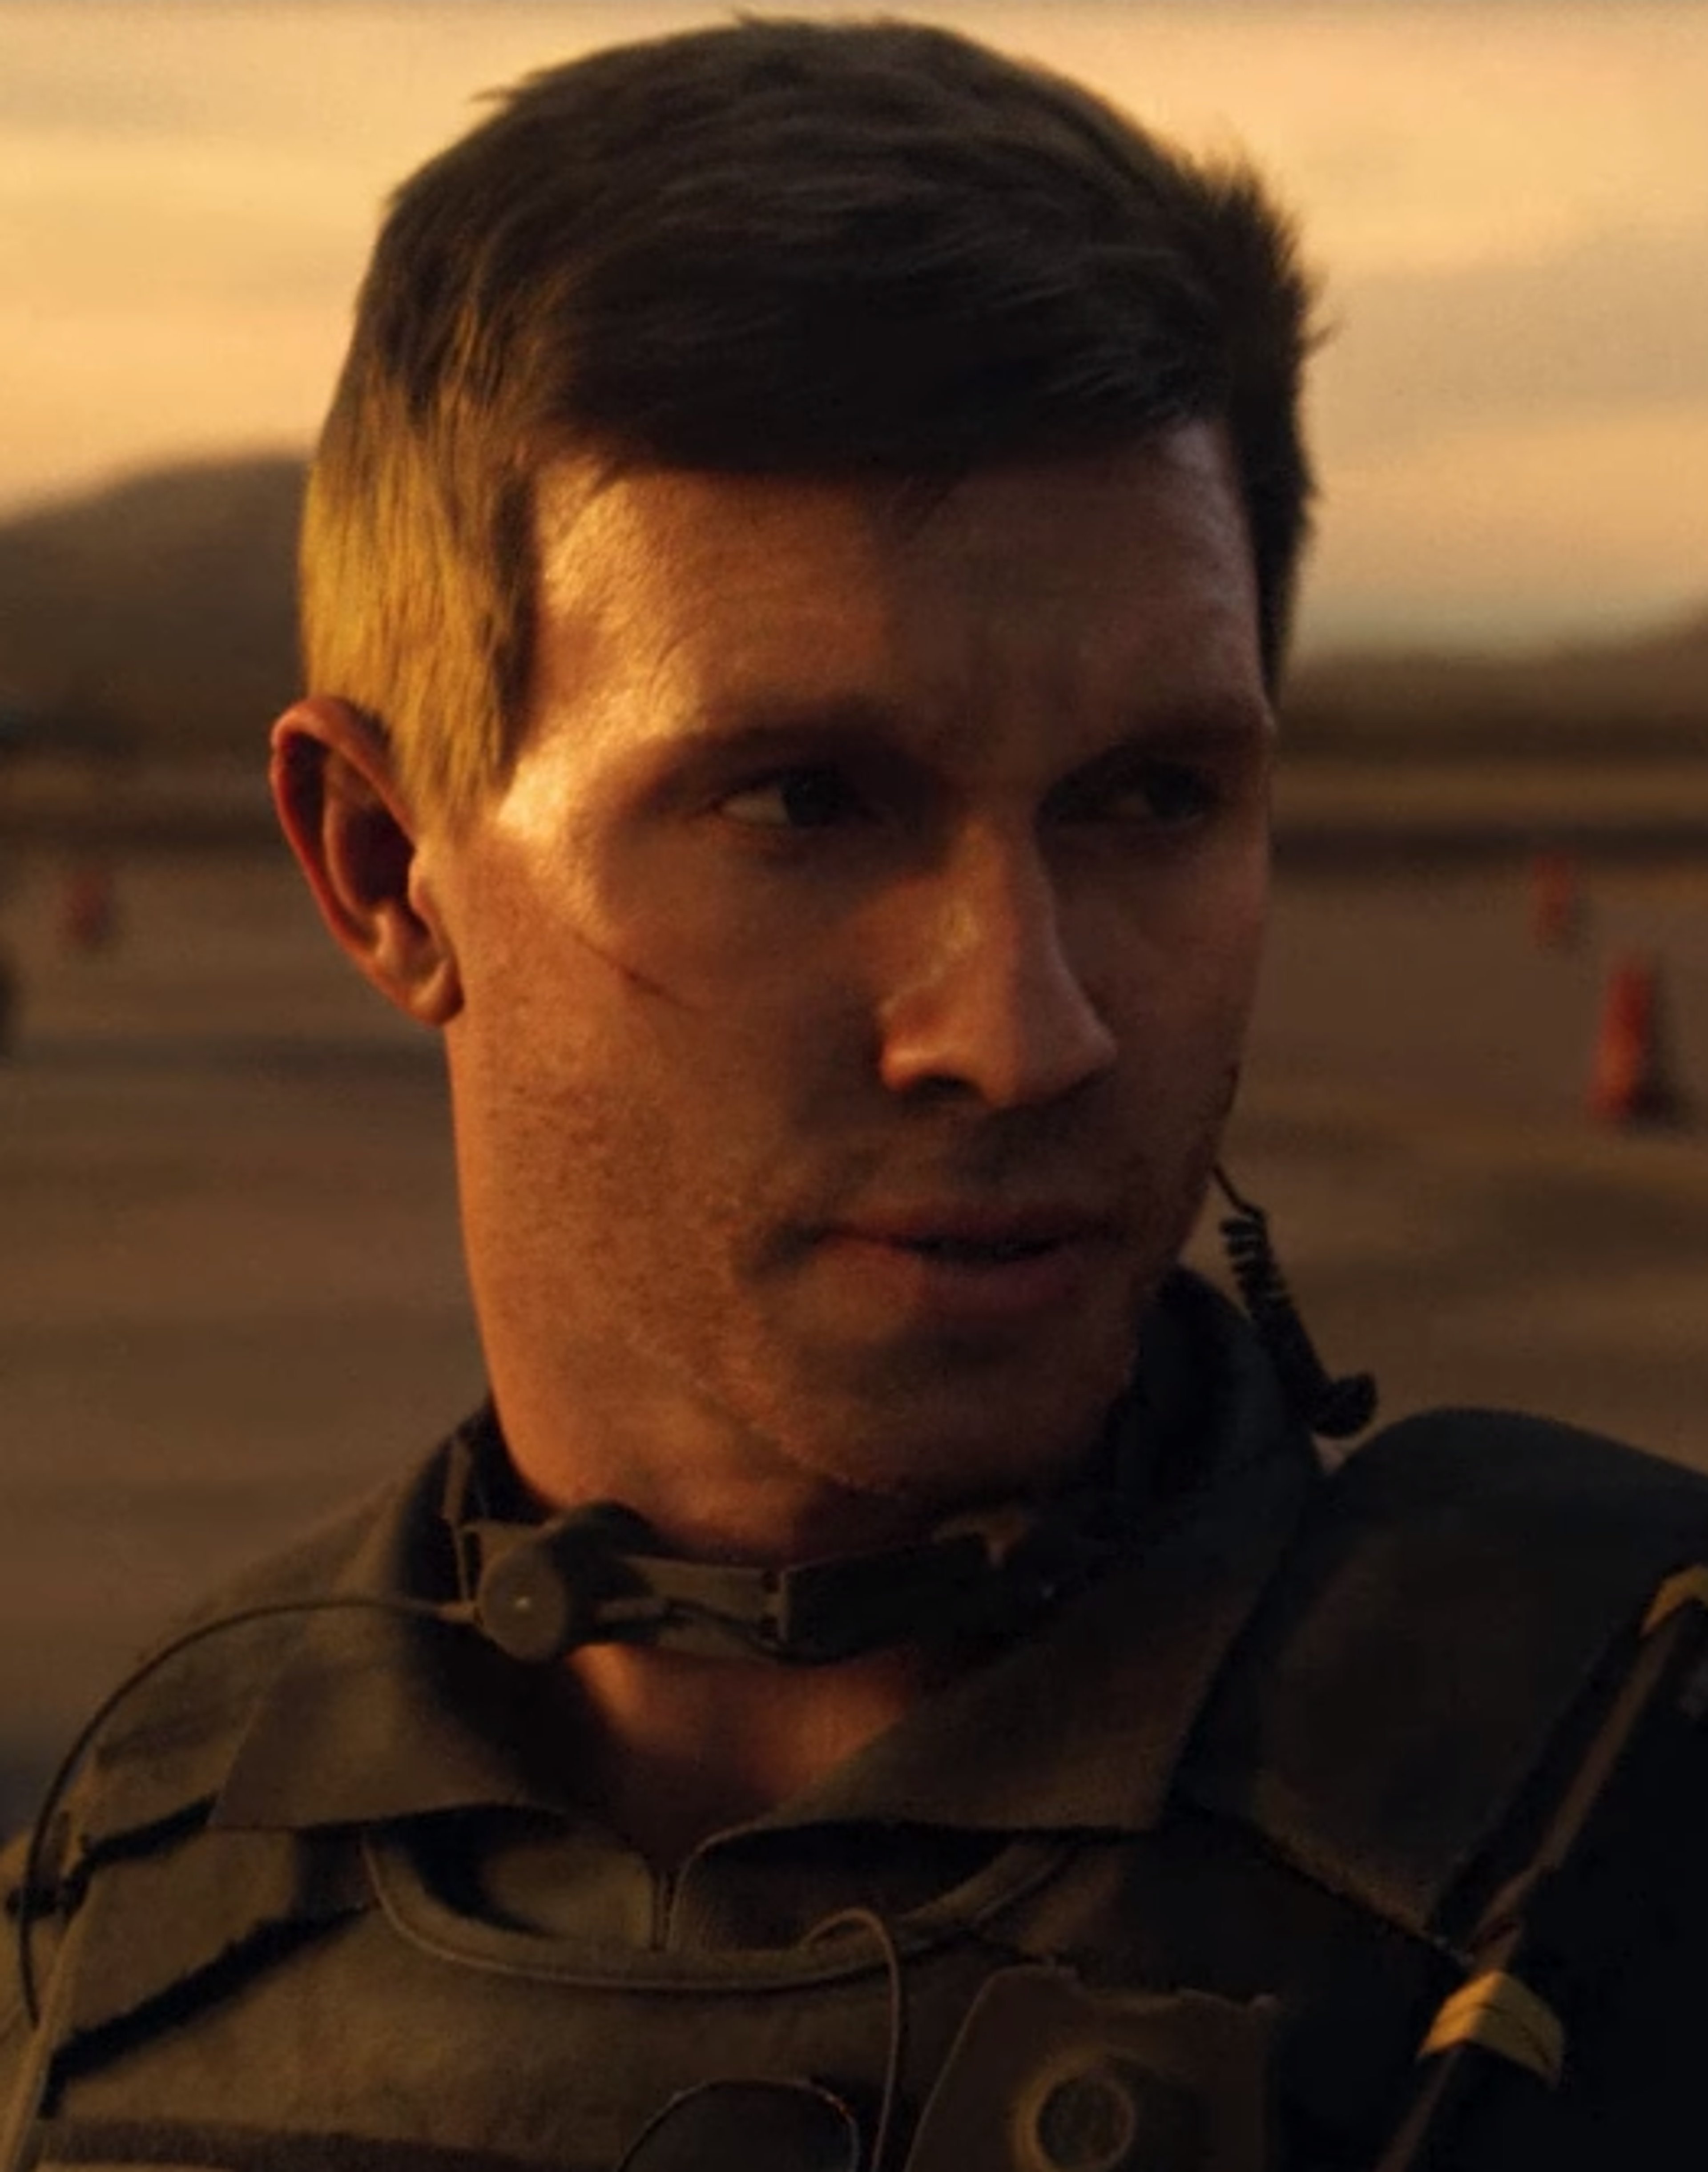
854, 970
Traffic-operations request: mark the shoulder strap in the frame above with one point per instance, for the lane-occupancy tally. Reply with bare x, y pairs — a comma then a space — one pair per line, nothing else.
164, 1751
1453, 1593
144, 1789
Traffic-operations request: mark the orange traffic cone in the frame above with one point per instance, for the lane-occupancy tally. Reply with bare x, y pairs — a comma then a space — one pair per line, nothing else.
1632, 1082
1556, 902
89, 913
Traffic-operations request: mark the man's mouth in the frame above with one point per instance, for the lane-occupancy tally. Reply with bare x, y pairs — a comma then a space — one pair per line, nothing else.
973, 1267
957, 1230
977, 1252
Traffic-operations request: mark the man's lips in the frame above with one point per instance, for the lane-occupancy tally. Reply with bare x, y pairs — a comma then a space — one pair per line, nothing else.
1029, 1229
972, 1267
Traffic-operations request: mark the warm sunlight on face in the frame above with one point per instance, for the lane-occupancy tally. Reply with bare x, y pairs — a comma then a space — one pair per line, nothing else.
855, 968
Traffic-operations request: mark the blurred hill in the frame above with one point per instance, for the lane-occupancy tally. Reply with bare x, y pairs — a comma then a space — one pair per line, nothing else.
1637, 699
158, 611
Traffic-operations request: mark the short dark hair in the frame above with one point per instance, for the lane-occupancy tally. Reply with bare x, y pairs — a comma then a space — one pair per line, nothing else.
774, 247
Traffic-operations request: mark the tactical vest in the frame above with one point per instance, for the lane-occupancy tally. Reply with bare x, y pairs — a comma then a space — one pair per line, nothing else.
1244, 1991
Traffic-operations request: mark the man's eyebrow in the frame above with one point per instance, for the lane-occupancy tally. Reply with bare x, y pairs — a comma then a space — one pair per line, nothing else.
1233, 720
1229, 734
719, 741
757, 722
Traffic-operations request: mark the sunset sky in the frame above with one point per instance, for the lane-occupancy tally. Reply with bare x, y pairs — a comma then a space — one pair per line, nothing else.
1509, 200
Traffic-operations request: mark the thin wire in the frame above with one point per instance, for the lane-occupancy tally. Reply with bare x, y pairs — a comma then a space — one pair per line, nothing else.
1236, 1199
868, 1919
65, 1772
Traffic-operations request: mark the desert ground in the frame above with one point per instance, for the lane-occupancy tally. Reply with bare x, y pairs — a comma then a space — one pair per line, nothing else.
230, 1293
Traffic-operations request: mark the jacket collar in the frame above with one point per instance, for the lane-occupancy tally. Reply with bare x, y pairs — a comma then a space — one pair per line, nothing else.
1081, 1725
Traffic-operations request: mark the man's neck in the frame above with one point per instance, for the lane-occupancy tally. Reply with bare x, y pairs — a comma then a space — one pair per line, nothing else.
680, 1747
677, 1745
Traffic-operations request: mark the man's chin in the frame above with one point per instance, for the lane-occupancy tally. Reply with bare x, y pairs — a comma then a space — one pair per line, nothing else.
955, 1447
942, 1413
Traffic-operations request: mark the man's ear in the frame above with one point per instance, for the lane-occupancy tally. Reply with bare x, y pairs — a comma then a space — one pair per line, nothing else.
344, 818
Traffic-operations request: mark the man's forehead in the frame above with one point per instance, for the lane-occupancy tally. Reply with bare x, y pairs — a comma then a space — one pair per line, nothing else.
1113, 597
602, 530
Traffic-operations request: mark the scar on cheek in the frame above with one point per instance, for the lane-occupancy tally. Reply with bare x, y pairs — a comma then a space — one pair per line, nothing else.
630, 973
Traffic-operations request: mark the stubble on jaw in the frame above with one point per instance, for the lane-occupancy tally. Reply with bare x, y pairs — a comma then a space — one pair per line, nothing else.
949, 1422
686, 1357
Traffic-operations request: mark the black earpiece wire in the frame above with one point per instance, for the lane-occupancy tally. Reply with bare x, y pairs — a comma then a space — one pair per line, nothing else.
868, 1919
1335, 1408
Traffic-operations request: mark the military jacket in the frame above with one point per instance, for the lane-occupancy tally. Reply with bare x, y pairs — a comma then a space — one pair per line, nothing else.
1205, 1839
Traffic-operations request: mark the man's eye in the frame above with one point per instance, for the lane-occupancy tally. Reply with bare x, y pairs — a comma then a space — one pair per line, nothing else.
792, 799
1167, 794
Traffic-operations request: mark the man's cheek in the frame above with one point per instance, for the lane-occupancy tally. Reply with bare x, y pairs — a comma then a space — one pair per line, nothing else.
665, 937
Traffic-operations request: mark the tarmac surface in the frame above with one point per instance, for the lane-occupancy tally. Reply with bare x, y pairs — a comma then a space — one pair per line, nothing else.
231, 1293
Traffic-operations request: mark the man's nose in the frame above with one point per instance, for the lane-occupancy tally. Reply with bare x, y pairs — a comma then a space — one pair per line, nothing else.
987, 998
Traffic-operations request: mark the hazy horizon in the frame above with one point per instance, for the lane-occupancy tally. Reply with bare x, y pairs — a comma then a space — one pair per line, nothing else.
1509, 201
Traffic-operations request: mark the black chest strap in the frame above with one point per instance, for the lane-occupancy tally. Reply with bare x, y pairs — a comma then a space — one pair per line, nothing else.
1456, 1593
